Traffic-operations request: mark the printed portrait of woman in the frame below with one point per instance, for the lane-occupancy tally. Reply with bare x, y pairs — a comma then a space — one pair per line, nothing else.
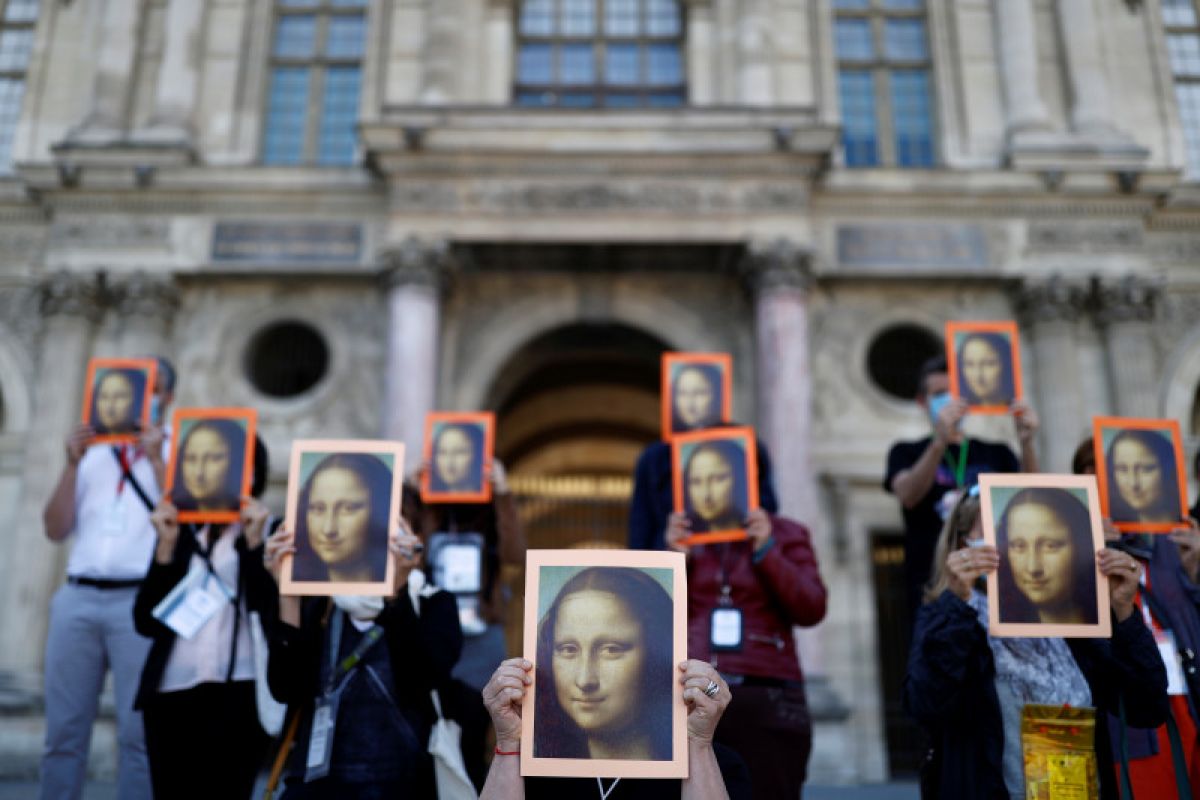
1143, 483
604, 668
210, 466
342, 519
715, 491
985, 369
1047, 562
696, 399
117, 401
457, 458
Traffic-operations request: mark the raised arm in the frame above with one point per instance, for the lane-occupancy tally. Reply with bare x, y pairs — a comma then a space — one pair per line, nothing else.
503, 696
58, 517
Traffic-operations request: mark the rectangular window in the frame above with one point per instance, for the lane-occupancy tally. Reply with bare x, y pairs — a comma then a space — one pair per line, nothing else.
611, 53
1181, 21
315, 76
884, 83
18, 19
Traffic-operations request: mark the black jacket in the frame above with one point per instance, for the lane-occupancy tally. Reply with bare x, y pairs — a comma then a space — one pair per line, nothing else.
255, 585
950, 690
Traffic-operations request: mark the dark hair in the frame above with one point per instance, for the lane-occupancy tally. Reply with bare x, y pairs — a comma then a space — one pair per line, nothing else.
733, 455
167, 370
932, 366
1014, 605
555, 734
377, 479
229, 495
1003, 350
1085, 456
1164, 453
137, 381
712, 376
262, 468
474, 478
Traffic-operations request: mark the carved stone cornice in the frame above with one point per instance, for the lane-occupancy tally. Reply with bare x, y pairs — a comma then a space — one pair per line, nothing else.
72, 294
141, 294
776, 264
1129, 299
417, 262
1054, 299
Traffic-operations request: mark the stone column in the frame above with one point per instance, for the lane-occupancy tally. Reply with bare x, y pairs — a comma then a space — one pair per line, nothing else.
1049, 310
178, 75
146, 305
755, 77
1016, 45
415, 274
500, 32
1091, 109
70, 305
1125, 311
780, 277
117, 41
701, 55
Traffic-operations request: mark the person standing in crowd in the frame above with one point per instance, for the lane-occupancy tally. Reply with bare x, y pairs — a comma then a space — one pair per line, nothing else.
104, 497
928, 475
1169, 601
359, 671
967, 688
197, 694
743, 600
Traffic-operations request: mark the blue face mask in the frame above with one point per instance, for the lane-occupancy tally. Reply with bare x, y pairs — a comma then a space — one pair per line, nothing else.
936, 404
155, 410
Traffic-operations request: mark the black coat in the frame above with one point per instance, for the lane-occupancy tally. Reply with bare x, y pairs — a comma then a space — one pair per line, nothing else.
950, 689
255, 585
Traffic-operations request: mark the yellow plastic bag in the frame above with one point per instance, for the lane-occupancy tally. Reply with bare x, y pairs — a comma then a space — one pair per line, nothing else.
1059, 748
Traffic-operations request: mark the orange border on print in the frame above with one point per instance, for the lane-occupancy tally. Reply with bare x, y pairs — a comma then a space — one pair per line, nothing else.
750, 443
250, 416
1099, 424
432, 419
290, 586
1009, 328
677, 767
722, 360
148, 365
1102, 628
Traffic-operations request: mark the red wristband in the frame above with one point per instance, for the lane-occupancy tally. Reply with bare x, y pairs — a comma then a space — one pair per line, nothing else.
500, 752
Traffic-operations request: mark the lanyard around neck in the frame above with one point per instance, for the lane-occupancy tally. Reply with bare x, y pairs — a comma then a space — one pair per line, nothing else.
604, 793
959, 468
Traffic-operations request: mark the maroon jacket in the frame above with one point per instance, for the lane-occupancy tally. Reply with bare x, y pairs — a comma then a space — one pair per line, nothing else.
782, 590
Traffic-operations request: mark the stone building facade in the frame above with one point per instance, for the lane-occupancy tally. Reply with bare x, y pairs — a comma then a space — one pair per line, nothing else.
347, 213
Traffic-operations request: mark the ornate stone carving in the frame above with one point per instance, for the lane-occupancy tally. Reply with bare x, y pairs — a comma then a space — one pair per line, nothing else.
1058, 237
428, 263
19, 312
72, 294
112, 231
776, 264
1129, 299
1054, 299
145, 295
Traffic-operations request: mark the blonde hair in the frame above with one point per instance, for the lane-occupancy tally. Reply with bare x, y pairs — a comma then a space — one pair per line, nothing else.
957, 527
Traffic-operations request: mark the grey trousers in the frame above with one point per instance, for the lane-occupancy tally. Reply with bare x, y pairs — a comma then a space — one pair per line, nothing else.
91, 631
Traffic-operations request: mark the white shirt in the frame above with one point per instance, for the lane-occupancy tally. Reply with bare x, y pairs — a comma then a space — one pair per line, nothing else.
205, 657
114, 539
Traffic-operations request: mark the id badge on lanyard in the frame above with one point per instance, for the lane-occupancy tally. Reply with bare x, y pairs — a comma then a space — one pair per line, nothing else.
193, 602
725, 625
320, 741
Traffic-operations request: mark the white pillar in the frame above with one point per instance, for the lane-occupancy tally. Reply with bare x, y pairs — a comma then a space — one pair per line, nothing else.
178, 74
1125, 311
414, 275
1016, 44
440, 52
1091, 108
754, 43
701, 43
498, 61
1049, 310
70, 304
118, 43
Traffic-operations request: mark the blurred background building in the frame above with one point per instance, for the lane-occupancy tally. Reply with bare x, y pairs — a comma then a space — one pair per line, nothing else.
347, 213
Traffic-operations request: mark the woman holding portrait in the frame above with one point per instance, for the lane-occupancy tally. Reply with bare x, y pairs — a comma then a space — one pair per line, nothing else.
208, 472
968, 688
772, 582
1142, 482
985, 370
342, 520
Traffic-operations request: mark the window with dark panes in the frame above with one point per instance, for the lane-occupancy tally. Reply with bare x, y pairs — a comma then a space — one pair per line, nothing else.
1181, 21
884, 70
600, 53
316, 73
18, 18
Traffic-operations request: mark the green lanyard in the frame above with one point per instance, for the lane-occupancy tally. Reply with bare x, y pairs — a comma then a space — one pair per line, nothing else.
959, 469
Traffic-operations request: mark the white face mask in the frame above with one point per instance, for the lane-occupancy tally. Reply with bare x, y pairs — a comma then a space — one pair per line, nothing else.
155, 410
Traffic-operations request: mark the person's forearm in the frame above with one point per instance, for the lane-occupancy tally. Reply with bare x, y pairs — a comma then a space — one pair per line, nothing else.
504, 778
1029, 459
704, 781
913, 483
59, 514
289, 610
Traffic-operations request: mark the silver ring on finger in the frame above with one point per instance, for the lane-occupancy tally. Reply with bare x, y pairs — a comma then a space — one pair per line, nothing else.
712, 688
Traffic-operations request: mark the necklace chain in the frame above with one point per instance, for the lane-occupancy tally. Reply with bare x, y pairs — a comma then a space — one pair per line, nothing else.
604, 793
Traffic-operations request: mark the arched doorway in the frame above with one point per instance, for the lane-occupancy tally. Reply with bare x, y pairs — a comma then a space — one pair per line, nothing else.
575, 406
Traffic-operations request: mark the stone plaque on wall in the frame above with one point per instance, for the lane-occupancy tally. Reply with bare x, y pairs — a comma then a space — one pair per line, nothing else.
912, 247
287, 243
